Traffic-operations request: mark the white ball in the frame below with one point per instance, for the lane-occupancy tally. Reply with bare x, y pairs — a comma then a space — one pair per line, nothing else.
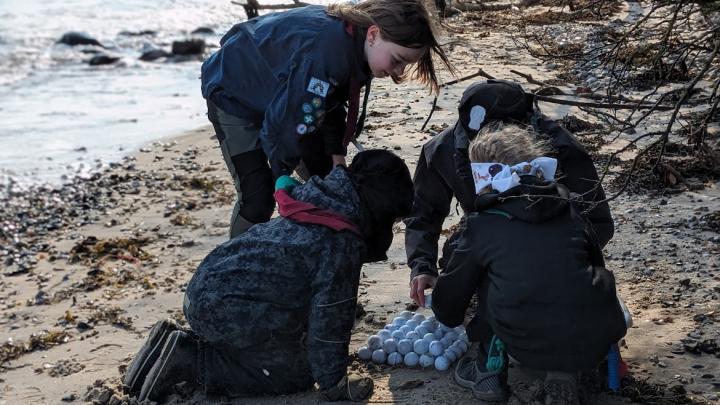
426, 360
421, 346
407, 314
463, 346
421, 331
389, 346
390, 327
405, 346
364, 353
412, 324
428, 325
450, 355
412, 335
411, 359
405, 329
379, 356
397, 335
443, 328
398, 321
451, 335
432, 319
456, 350
446, 341
418, 318
429, 337
442, 363
464, 337
394, 358
459, 329
384, 334
438, 334
436, 348
374, 342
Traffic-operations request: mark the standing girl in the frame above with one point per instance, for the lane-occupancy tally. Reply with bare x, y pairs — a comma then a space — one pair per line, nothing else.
278, 87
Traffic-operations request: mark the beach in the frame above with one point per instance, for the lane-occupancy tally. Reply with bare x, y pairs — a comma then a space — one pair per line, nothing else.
90, 266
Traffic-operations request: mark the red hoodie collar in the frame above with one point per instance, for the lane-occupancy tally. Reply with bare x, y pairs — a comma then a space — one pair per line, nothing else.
307, 213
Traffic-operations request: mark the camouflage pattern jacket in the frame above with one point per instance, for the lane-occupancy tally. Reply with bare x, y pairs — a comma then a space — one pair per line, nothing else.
285, 280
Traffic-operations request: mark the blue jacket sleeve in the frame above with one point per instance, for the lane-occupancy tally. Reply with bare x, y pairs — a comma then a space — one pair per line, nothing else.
301, 105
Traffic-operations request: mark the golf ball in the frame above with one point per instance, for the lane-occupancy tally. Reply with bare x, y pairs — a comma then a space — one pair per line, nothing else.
442, 363
405, 346
394, 358
426, 360
379, 356
450, 355
412, 335
411, 359
428, 325
389, 346
421, 346
436, 348
364, 353
374, 342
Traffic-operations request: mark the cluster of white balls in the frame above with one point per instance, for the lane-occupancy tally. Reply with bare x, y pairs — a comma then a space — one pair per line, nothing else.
413, 340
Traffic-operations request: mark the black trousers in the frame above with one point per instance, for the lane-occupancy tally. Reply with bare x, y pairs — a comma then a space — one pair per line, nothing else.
249, 167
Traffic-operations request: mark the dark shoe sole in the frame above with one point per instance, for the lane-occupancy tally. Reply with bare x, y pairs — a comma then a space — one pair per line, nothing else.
162, 376
147, 355
460, 380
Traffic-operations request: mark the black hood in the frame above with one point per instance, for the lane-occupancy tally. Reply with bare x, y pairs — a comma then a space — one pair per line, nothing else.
383, 183
501, 101
533, 201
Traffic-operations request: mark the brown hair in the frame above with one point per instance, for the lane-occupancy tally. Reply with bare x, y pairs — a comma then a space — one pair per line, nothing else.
508, 144
404, 22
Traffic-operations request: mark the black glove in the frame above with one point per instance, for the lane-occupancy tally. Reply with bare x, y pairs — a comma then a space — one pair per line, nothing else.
352, 387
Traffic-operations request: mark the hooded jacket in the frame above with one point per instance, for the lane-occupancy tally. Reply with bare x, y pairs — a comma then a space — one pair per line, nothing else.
537, 252
284, 278
443, 170
290, 73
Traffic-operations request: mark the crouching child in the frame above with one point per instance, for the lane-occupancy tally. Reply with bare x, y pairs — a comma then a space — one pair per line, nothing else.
271, 311
544, 295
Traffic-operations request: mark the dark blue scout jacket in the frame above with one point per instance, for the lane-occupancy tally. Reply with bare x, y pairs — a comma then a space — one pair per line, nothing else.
283, 279
290, 73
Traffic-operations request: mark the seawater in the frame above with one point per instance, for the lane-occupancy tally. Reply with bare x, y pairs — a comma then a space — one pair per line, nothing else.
61, 117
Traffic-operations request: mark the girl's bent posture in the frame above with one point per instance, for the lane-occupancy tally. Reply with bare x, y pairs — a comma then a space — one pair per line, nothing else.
545, 297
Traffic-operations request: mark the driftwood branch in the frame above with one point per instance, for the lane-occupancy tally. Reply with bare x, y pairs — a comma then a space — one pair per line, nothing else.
253, 6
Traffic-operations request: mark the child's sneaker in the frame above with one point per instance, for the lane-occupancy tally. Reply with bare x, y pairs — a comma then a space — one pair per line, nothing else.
561, 389
489, 386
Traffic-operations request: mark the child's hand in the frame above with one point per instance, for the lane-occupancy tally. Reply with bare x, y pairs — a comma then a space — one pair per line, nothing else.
418, 285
